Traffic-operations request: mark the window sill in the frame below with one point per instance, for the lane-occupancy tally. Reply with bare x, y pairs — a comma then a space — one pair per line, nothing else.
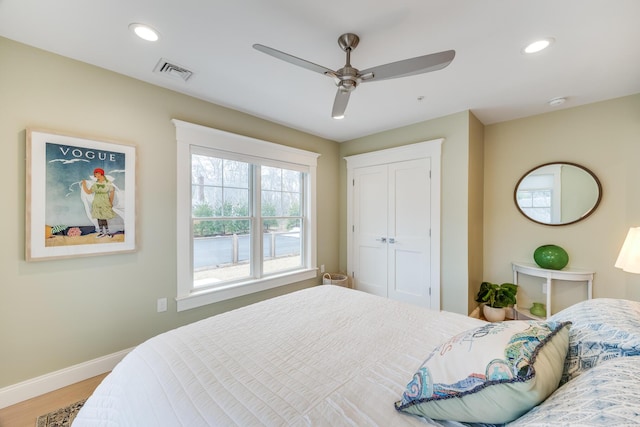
199, 298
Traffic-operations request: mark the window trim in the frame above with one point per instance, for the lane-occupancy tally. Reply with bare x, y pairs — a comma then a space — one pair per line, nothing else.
192, 135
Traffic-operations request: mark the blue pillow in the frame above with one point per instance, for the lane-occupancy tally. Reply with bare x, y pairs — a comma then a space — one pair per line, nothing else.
606, 395
602, 329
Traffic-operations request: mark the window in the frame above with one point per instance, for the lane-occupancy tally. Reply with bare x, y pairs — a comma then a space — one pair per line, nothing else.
536, 204
246, 215
539, 194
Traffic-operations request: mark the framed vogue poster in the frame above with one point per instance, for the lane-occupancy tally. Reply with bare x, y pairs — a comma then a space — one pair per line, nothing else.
80, 196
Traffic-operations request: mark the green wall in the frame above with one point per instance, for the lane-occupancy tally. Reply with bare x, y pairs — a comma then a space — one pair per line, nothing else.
455, 213
55, 314
482, 230
605, 138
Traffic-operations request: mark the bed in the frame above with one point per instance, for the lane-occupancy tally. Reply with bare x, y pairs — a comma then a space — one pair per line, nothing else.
332, 356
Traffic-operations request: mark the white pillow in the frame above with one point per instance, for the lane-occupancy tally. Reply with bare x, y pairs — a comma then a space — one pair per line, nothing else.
491, 374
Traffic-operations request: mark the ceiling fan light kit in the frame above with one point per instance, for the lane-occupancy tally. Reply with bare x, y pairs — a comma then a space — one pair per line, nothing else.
348, 78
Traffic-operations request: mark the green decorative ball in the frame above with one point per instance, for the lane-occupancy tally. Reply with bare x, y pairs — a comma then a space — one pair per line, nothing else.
551, 257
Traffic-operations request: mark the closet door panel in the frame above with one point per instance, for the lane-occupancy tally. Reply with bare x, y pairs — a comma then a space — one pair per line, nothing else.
370, 229
408, 224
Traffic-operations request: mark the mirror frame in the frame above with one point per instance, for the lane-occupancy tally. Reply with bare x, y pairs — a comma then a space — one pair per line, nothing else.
585, 215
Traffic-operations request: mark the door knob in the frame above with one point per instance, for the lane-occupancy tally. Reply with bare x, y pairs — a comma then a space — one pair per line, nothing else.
392, 240
382, 239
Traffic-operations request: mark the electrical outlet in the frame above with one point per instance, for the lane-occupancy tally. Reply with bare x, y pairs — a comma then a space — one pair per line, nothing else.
162, 305
322, 268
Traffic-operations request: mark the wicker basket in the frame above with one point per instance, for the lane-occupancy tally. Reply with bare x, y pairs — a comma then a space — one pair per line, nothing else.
335, 279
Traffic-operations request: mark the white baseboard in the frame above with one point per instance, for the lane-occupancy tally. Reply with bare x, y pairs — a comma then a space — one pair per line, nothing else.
34, 387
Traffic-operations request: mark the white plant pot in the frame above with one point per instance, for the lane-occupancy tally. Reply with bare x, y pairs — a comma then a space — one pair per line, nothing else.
494, 314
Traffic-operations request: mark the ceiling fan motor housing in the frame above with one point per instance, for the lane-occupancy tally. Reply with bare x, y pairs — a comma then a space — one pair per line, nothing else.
348, 78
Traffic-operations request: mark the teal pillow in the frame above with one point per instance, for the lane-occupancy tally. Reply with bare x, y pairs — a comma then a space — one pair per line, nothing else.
490, 374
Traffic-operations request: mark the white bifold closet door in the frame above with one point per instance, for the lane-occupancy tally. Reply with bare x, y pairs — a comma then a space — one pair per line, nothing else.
391, 230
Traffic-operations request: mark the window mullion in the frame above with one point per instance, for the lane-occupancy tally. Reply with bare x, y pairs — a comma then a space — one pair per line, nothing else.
256, 223
304, 214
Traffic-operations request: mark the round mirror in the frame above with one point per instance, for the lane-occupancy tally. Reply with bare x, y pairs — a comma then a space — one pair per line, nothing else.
558, 193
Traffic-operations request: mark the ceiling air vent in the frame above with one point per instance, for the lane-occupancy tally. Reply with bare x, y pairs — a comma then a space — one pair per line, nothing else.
166, 68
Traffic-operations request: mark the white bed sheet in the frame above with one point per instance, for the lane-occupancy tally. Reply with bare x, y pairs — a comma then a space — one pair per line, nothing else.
323, 356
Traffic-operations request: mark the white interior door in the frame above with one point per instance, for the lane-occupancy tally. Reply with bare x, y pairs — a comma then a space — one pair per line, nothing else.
370, 229
408, 223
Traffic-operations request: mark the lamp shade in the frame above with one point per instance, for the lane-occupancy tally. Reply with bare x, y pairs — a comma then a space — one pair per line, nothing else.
629, 258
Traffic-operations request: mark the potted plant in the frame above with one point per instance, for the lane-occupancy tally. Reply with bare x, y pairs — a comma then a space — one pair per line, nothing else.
495, 298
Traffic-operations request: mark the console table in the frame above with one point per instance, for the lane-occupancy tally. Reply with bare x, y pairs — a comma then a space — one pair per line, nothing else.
531, 269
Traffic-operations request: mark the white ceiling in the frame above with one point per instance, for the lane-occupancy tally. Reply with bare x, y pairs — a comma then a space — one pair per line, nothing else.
595, 56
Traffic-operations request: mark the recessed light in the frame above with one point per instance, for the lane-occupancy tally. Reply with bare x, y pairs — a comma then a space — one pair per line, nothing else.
538, 45
145, 32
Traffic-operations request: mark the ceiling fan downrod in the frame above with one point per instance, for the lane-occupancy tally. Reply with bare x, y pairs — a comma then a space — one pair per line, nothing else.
348, 77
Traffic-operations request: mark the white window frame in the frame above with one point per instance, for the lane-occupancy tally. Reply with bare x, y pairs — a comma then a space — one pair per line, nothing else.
188, 136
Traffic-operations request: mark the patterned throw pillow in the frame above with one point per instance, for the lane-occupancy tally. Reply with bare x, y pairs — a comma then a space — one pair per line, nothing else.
491, 374
602, 329
606, 395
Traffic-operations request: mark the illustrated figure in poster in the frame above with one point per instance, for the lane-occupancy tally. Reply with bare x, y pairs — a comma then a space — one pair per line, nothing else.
102, 205
85, 195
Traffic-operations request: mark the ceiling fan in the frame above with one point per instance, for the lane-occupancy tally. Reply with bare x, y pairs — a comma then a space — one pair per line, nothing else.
348, 78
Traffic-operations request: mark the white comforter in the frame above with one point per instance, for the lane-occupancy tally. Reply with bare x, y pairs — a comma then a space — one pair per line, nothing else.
324, 356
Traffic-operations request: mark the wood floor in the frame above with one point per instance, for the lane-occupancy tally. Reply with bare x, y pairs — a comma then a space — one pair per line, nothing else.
25, 414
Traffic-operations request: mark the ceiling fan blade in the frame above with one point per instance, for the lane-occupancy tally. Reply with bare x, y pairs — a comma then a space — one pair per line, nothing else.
293, 59
409, 67
340, 103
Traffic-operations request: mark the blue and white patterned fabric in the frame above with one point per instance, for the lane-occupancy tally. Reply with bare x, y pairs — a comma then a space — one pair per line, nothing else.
602, 329
490, 374
607, 395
